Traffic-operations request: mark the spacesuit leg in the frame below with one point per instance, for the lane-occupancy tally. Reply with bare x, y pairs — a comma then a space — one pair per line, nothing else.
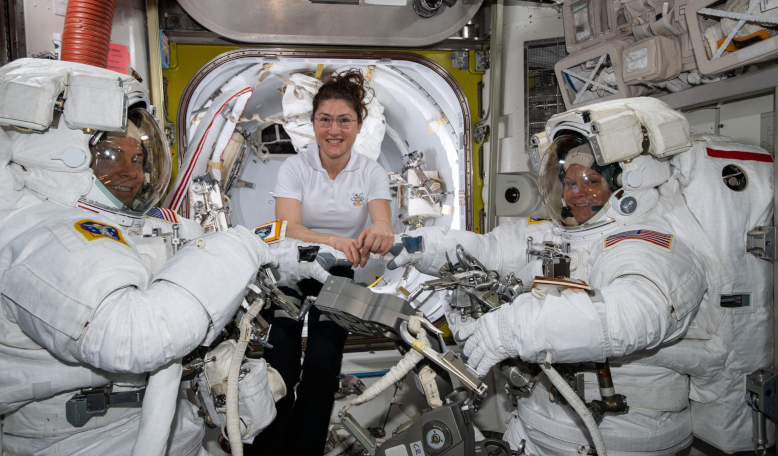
188, 431
285, 337
542, 444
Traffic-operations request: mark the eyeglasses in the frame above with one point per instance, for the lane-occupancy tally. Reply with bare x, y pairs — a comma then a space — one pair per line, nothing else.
344, 123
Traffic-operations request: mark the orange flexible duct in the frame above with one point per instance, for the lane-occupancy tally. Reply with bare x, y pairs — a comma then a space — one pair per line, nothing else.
87, 33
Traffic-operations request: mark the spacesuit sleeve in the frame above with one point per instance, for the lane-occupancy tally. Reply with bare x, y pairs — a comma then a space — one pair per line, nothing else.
93, 303
648, 297
504, 249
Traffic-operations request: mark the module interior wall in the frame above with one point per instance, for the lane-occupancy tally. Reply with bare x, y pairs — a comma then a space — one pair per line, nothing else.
187, 59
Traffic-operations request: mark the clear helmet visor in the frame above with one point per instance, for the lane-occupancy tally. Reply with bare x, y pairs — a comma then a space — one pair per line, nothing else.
575, 190
132, 168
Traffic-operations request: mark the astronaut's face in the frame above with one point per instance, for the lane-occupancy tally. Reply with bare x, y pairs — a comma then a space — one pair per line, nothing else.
335, 137
118, 164
585, 192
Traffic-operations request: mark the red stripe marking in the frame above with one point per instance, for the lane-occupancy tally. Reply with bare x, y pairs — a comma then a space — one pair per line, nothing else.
91, 210
738, 155
171, 215
179, 193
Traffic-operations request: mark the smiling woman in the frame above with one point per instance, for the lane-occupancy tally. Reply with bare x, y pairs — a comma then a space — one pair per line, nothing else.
131, 168
325, 193
118, 164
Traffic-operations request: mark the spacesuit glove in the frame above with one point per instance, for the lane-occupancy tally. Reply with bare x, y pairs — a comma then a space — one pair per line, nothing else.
461, 326
494, 339
401, 256
411, 248
292, 270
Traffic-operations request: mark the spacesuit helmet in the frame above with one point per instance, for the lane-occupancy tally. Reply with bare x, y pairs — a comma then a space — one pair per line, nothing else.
132, 168
576, 190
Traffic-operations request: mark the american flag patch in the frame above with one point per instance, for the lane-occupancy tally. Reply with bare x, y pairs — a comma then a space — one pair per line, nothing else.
660, 239
163, 213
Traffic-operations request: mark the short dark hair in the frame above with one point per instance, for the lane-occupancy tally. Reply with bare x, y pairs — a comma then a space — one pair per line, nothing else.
349, 86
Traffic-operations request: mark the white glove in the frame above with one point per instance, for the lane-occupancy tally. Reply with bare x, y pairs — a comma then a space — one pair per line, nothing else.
493, 339
461, 326
402, 257
292, 270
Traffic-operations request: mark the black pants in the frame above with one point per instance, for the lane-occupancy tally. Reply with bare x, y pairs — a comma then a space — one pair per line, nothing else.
300, 427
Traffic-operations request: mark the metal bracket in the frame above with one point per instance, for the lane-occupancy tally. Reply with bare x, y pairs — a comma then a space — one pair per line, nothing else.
481, 60
761, 242
460, 59
534, 157
481, 132
760, 396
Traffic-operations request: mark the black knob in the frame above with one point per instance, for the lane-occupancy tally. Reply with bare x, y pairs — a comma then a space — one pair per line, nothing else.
512, 195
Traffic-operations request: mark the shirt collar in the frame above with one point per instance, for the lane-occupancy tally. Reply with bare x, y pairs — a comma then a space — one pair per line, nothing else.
311, 155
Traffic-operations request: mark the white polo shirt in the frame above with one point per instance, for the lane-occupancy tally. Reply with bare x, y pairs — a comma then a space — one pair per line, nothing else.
332, 206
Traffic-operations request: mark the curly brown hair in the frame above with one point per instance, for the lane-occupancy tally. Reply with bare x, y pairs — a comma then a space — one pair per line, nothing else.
349, 86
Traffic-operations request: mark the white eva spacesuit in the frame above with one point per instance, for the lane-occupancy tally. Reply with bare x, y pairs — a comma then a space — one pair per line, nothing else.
614, 198
86, 302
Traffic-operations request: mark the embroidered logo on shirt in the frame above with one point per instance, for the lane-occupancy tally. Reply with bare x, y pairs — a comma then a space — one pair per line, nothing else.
660, 239
93, 231
357, 199
531, 220
163, 214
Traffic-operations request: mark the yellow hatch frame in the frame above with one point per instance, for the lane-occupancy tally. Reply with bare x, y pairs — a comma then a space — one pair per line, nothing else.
187, 59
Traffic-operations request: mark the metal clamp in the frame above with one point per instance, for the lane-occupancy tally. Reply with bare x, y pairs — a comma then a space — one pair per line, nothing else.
448, 360
761, 242
761, 397
269, 286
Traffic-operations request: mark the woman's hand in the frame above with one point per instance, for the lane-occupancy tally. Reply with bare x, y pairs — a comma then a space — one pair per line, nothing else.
377, 238
349, 247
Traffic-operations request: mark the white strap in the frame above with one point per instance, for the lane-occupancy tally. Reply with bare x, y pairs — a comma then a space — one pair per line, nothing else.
303, 268
741, 16
590, 81
751, 7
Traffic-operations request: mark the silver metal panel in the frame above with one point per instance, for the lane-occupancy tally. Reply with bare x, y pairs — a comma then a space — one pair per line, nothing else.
742, 86
495, 110
303, 22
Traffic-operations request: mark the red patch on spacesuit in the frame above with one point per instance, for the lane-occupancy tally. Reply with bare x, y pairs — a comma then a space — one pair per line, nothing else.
738, 155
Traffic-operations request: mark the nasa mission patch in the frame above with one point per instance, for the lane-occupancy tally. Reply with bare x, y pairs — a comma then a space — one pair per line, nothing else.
93, 231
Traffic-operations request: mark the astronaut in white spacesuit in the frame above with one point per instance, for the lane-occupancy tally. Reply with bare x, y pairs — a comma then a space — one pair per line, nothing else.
640, 250
81, 309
